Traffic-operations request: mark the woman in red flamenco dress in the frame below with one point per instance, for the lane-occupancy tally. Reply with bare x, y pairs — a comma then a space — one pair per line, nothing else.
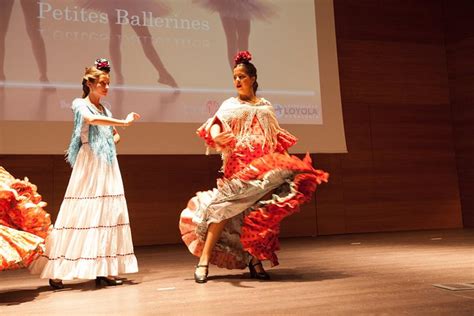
24, 224
237, 224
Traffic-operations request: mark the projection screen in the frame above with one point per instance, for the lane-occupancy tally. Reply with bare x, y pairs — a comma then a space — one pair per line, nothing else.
171, 62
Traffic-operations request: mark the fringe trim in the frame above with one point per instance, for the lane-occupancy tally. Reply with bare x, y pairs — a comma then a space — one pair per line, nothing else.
101, 138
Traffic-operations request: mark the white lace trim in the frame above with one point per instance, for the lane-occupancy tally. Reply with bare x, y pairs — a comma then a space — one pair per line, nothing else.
238, 116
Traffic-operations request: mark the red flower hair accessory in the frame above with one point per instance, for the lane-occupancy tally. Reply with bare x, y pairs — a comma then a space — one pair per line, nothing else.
102, 64
242, 57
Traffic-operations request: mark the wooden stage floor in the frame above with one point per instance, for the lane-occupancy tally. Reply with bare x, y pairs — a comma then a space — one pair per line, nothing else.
359, 274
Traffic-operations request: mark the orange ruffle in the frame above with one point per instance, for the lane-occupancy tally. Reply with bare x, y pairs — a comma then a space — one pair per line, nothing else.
18, 249
23, 221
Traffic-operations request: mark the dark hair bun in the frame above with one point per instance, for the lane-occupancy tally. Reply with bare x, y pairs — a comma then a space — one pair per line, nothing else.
242, 57
102, 64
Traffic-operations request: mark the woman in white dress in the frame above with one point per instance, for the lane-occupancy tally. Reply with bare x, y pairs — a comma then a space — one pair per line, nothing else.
91, 238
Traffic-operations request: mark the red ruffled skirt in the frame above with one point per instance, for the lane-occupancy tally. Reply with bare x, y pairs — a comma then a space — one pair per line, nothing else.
24, 224
255, 200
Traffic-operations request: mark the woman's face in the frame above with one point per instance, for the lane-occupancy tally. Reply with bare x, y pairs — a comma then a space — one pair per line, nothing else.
242, 82
101, 86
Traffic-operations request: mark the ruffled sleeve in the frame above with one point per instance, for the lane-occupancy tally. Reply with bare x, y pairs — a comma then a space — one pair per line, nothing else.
205, 131
285, 140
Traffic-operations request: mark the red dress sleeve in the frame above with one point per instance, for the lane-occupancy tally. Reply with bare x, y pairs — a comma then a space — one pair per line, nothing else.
285, 140
205, 132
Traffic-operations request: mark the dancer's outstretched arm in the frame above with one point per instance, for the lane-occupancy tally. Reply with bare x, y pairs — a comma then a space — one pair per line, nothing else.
101, 120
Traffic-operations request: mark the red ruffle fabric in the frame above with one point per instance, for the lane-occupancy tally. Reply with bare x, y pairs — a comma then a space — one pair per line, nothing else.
285, 140
262, 225
205, 133
260, 229
24, 224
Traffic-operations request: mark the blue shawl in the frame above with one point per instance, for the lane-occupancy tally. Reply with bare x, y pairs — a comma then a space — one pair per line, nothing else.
101, 138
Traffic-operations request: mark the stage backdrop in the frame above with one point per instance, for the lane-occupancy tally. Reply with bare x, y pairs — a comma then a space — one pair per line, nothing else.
170, 63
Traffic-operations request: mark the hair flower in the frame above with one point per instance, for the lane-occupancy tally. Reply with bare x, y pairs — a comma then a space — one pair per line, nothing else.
242, 57
102, 64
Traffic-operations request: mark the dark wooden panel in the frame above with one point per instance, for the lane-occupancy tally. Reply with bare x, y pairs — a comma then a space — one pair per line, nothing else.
417, 21
385, 72
400, 171
157, 189
357, 166
330, 196
458, 21
460, 52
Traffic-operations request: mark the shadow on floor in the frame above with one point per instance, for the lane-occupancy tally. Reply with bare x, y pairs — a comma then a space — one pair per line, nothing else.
301, 274
17, 297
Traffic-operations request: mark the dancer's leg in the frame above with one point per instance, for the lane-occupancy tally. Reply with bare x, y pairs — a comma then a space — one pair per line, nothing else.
114, 48
5, 12
213, 233
31, 13
230, 30
243, 34
150, 52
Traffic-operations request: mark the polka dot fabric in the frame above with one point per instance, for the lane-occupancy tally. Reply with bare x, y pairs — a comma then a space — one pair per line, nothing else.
256, 164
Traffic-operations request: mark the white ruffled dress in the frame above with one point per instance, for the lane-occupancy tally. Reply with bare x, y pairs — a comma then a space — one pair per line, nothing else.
91, 236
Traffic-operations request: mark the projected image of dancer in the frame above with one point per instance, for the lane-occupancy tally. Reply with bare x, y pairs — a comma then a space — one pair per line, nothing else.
236, 16
91, 238
31, 12
142, 31
23, 222
236, 225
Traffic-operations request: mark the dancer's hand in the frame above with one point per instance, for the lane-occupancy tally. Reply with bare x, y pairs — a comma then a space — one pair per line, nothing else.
131, 117
116, 136
223, 139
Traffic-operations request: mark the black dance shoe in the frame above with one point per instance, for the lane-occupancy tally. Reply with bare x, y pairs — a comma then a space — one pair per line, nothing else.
257, 275
201, 278
56, 285
107, 281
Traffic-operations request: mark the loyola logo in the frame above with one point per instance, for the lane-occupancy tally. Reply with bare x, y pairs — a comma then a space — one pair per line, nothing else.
296, 111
